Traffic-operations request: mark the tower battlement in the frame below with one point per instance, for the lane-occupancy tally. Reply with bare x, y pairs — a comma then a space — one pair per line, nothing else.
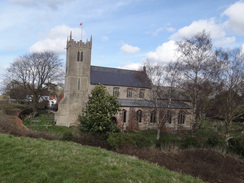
72, 42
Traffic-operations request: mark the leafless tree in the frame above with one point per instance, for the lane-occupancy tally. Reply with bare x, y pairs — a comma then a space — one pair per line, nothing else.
197, 67
163, 79
36, 72
15, 90
229, 103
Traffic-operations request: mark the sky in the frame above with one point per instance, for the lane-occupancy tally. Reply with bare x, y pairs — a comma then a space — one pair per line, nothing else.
125, 32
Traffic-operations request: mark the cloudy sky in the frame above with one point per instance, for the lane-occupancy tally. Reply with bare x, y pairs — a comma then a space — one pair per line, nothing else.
125, 32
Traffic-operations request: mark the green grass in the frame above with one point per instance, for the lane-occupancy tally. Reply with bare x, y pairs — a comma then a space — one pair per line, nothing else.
37, 160
46, 124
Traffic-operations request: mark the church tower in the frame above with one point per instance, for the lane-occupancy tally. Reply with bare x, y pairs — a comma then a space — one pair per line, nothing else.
77, 81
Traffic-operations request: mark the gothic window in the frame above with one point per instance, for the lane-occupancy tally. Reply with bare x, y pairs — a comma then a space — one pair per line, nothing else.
79, 56
116, 92
139, 115
153, 117
141, 93
169, 117
78, 84
181, 118
123, 115
129, 93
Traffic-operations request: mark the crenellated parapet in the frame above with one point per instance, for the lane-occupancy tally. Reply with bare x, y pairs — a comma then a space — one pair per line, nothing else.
80, 44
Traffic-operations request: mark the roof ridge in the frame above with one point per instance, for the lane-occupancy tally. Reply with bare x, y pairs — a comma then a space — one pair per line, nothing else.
116, 68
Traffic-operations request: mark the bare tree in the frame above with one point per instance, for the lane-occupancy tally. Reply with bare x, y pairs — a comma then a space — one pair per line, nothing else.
35, 72
163, 90
229, 102
197, 67
15, 90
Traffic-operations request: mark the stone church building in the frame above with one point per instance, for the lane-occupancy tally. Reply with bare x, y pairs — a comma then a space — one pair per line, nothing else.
133, 89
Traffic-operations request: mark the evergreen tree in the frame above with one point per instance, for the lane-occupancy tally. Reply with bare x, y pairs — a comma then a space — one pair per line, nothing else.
100, 109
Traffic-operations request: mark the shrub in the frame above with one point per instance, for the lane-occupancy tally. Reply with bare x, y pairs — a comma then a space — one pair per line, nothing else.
91, 139
8, 109
236, 146
119, 140
189, 142
68, 136
168, 139
214, 140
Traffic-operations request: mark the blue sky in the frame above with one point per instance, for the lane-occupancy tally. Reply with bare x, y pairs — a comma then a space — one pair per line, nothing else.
125, 32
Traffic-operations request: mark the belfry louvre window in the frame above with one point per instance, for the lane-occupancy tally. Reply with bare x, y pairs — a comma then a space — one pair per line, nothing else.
79, 56
129, 93
116, 92
181, 118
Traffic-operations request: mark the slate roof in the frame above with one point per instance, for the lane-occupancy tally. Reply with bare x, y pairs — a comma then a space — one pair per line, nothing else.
151, 104
174, 93
119, 77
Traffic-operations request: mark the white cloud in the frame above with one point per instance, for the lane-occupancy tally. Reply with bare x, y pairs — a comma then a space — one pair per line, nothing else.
164, 53
170, 29
128, 49
157, 31
225, 41
217, 30
55, 39
105, 38
235, 13
131, 66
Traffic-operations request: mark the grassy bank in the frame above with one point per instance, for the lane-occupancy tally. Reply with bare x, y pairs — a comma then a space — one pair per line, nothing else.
38, 160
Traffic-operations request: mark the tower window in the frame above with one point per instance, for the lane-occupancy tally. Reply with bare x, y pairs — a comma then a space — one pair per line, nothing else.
79, 56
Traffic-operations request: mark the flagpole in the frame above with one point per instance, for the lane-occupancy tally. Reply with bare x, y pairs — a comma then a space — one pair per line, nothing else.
81, 25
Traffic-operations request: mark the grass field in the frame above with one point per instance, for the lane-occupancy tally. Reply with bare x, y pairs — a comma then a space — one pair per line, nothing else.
37, 160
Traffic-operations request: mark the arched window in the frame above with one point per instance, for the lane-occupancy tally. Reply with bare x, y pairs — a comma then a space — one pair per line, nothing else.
79, 56
116, 92
129, 93
153, 117
139, 116
181, 118
169, 117
141, 93
123, 115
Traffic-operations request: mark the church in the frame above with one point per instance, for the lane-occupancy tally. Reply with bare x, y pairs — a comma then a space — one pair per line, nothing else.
133, 89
